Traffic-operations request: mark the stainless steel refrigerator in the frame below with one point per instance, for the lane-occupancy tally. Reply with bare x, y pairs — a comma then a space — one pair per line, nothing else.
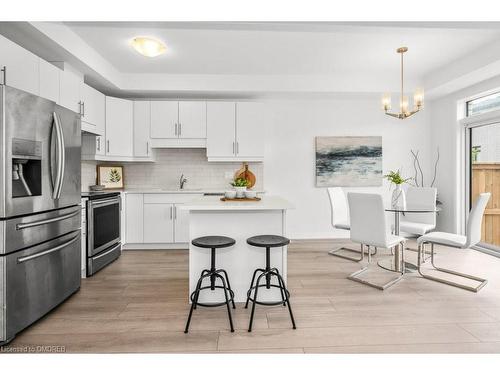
40, 250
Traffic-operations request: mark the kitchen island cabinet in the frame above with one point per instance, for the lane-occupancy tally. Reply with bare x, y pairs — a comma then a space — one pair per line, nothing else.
208, 215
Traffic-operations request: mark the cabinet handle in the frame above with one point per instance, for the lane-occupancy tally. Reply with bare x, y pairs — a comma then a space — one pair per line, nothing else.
180, 129
175, 212
107, 145
83, 109
234, 153
171, 213
147, 148
4, 70
98, 143
175, 129
237, 148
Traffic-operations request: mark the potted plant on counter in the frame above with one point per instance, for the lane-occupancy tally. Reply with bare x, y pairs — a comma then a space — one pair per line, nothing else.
240, 185
398, 195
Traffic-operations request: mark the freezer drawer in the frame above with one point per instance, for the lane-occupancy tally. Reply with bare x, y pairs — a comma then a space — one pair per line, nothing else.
36, 280
23, 232
105, 257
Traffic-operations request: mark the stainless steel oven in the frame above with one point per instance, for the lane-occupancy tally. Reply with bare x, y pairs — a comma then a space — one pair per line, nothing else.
103, 230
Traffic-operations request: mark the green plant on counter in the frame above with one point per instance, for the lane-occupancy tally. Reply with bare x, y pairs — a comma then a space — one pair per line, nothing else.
240, 182
395, 178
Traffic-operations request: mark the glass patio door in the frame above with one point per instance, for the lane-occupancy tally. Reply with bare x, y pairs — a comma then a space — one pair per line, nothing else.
484, 172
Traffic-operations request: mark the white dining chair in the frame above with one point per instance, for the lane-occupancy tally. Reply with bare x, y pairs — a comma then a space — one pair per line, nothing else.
340, 220
369, 228
472, 237
418, 224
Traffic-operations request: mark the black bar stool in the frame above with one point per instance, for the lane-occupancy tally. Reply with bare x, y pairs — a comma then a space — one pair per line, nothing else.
268, 241
212, 242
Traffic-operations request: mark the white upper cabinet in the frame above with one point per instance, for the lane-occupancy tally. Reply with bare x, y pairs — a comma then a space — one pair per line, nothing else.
221, 129
235, 131
142, 121
164, 119
20, 68
192, 119
119, 127
70, 85
178, 124
49, 81
93, 110
250, 137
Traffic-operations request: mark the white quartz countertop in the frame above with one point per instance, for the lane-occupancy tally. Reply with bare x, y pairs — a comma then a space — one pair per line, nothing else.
213, 203
177, 191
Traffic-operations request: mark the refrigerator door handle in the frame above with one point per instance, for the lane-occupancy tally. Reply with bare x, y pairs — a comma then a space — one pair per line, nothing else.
59, 156
47, 221
46, 252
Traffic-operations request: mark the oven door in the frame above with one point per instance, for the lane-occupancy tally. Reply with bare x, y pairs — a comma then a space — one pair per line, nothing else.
103, 223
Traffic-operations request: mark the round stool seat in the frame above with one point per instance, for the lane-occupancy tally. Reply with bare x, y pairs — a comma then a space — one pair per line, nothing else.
268, 240
213, 242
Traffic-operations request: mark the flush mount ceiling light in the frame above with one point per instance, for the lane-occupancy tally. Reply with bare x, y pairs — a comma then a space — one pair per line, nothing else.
148, 47
418, 97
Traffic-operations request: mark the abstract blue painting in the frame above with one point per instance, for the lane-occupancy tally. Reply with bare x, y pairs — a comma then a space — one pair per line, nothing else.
348, 161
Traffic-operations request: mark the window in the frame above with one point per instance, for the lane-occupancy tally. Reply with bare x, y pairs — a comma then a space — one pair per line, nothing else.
483, 104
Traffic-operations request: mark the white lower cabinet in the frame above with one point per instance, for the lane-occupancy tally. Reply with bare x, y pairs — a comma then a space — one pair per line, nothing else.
134, 220
181, 224
156, 219
158, 223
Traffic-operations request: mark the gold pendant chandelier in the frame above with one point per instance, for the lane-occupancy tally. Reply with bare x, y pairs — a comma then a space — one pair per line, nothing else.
418, 97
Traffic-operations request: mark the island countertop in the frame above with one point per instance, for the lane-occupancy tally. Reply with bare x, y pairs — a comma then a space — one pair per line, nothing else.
214, 203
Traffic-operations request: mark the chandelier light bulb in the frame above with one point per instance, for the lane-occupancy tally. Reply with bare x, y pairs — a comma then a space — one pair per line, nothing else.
386, 102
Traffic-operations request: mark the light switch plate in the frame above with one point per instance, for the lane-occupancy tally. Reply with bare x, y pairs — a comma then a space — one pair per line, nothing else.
228, 174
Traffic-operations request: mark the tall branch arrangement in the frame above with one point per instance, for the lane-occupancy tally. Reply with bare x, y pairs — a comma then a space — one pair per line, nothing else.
419, 175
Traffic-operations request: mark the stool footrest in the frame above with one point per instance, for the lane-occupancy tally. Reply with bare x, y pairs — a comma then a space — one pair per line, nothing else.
267, 303
212, 304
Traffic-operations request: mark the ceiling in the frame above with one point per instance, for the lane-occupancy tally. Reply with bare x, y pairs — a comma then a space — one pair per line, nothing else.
286, 48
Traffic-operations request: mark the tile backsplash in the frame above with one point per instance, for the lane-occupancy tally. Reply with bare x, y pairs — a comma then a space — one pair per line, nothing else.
164, 173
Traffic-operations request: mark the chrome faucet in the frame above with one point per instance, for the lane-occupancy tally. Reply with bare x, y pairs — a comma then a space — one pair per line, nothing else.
182, 181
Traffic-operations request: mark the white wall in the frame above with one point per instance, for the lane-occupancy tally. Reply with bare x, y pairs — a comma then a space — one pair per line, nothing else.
289, 168
446, 134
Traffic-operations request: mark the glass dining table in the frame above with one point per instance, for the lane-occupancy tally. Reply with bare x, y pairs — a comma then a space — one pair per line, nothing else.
394, 264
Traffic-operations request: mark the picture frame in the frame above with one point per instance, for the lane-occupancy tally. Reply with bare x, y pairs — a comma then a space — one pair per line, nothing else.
349, 161
111, 176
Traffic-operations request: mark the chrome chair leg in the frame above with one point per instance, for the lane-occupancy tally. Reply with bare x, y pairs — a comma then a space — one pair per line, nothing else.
336, 253
354, 276
482, 282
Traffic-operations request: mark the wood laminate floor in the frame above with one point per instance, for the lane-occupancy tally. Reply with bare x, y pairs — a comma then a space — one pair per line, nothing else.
139, 304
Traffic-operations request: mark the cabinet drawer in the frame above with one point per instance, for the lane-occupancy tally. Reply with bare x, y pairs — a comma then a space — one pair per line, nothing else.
169, 198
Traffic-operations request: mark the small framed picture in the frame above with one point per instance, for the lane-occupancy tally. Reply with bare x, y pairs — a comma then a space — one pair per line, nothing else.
110, 176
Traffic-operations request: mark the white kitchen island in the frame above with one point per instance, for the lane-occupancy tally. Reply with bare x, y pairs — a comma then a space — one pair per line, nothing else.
208, 215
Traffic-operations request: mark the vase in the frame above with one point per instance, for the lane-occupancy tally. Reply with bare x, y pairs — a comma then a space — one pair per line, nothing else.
398, 200
240, 191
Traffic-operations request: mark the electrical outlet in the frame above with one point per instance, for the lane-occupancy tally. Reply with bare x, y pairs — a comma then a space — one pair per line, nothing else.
228, 174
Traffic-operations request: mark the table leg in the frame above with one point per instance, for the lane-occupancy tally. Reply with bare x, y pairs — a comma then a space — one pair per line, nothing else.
397, 261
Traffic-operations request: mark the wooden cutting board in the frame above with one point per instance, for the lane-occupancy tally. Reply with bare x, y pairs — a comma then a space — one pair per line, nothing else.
245, 173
